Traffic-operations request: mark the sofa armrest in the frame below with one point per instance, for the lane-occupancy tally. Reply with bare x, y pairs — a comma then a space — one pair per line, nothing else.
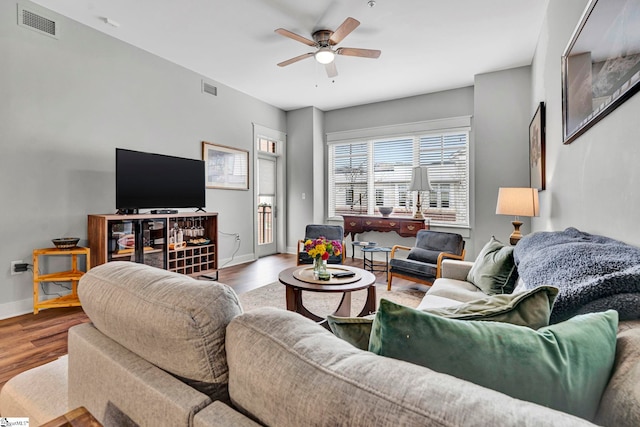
447, 255
120, 388
455, 269
620, 401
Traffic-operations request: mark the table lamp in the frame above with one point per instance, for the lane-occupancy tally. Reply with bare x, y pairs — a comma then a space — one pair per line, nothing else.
520, 201
419, 182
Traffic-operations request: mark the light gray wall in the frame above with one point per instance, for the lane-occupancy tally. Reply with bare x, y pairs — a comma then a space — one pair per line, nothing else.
501, 148
592, 183
300, 164
319, 169
450, 103
67, 103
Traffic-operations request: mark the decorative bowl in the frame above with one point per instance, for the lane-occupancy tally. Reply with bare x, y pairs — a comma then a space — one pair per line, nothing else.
66, 242
385, 210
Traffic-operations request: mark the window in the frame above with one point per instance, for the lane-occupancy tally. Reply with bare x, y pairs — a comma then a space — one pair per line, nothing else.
379, 170
350, 172
266, 145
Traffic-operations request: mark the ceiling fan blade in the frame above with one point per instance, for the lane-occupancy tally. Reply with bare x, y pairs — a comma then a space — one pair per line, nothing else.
343, 30
363, 53
295, 36
331, 69
296, 59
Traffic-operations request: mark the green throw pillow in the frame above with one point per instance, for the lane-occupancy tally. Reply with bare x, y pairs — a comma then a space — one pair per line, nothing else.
565, 366
531, 308
494, 271
354, 330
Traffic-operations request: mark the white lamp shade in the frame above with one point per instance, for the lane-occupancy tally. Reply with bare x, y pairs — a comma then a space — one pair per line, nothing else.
518, 201
325, 55
420, 179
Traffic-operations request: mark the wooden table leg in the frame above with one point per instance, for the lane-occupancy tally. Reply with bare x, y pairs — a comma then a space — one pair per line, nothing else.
344, 309
294, 303
370, 303
291, 298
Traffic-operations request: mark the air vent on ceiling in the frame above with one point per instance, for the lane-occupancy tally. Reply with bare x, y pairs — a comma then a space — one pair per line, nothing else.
209, 88
37, 22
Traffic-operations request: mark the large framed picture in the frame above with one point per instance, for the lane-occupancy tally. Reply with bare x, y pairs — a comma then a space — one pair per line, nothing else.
537, 149
225, 167
601, 64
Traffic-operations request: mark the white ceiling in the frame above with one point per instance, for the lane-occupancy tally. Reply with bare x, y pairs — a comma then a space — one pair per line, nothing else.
427, 45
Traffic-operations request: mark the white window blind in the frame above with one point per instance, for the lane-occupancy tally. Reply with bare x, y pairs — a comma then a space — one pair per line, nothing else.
366, 174
392, 161
348, 177
446, 156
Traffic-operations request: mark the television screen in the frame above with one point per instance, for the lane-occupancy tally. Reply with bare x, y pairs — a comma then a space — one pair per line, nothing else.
147, 180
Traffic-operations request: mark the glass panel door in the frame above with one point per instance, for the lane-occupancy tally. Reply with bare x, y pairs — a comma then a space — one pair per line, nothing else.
266, 205
121, 241
154, 242
142, 241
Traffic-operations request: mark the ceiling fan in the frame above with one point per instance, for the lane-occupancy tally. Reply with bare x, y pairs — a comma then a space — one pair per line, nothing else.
324, 41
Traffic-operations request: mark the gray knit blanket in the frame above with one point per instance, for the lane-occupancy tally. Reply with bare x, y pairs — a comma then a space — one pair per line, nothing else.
593, 273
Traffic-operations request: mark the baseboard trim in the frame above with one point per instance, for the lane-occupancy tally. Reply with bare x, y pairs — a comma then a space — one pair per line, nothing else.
16, 308
292, 250
236, 260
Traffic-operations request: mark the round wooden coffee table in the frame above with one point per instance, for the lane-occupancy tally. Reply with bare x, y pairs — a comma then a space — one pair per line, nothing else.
298, 279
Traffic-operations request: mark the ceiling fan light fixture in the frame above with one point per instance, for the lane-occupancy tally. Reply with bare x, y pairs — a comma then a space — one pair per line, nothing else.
325, 55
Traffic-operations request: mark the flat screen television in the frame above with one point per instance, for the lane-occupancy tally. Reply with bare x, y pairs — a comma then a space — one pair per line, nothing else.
148, 180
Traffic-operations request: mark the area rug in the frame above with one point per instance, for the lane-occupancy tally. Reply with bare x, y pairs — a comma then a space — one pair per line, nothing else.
324, 303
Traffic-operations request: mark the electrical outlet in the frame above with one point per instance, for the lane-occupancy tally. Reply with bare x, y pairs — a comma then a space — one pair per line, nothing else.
237, 237
13, 267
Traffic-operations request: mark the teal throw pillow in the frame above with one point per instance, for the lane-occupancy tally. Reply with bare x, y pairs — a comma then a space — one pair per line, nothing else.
494, 271
531, 308
565, 366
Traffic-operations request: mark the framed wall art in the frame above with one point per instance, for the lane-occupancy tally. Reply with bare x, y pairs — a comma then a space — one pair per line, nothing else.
537, 149
601, 64
225, 167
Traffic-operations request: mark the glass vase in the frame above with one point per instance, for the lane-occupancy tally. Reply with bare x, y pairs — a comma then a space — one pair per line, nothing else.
320, 269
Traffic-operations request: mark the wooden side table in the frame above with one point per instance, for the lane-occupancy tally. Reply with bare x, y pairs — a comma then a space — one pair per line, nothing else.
370, 264
360, 245
72, 276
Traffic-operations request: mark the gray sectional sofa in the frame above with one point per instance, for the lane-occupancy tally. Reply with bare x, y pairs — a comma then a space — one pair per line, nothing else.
163, 349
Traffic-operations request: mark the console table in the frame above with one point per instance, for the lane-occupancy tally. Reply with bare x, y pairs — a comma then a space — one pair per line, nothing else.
404, 226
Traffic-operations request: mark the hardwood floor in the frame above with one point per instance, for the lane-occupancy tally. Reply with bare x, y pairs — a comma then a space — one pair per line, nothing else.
32, 340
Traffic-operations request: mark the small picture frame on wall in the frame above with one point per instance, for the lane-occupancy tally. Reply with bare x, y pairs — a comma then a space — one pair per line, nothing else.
537, 149
225, 167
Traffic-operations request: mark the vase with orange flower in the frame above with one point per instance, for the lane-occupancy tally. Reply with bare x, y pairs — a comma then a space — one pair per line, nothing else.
320, 249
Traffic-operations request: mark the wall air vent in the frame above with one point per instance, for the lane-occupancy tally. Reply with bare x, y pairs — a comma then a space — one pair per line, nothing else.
37, 22
209, 88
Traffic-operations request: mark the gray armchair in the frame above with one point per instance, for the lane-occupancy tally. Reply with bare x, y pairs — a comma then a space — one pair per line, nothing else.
424, 260
313, 231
